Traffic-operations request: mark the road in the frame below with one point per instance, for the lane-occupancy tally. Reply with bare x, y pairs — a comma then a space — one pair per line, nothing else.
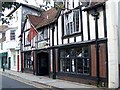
6, 82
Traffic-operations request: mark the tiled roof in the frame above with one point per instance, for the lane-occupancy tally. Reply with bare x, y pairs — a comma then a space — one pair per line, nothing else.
34, 19
3, 28
46, 18
94, 4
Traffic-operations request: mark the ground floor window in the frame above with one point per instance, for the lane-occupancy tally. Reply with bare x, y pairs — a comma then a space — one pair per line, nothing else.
75, 60
28, 62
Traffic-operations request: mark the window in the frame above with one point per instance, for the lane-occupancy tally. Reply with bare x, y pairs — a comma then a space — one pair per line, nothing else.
72, 22
75, 60
76, 20
43, 34
12, 35
26, 42
28, 61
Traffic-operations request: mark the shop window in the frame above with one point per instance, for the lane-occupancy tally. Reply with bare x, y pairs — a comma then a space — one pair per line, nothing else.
75, 60
28, 61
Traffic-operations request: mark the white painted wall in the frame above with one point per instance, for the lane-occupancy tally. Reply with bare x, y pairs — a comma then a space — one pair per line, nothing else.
85, 30
119, 29
59, 30
112, 23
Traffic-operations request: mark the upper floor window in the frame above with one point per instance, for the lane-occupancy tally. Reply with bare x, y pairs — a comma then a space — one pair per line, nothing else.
12, 35
26, 42
72, 22
43, 34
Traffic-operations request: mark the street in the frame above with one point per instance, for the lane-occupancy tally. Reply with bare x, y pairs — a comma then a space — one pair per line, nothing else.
11, 83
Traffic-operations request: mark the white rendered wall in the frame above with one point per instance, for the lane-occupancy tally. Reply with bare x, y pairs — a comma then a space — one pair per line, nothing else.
112, 17
59, 30
119, 27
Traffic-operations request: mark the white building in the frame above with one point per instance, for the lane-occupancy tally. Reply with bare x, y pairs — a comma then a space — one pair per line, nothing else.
12, 42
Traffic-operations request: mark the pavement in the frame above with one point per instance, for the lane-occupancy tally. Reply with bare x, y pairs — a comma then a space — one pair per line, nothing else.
45, 82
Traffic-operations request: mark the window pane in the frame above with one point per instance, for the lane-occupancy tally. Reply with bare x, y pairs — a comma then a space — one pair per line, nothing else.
62, 65
76, 20
86, 66
72, 52
79, 52
85, 51
62, 54
67, 53
79, 65
26, 38
45, 34
73, 65
67, 65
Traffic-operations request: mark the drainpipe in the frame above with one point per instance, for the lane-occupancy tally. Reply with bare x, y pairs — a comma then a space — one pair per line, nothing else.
96, 17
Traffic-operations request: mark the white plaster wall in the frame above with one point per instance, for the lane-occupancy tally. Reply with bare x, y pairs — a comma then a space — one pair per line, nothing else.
85, 30
92, 27
119, 29
59, 30
50, 37
112, 17
75, 3
78, 39
55, 36
100, 25
65, 41
71, 40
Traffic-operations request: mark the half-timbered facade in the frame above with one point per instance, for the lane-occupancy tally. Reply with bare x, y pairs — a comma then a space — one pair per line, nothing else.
77, 45
36, 50
83, 52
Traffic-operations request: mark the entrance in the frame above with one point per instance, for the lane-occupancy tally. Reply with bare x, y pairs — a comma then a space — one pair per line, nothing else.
42, 65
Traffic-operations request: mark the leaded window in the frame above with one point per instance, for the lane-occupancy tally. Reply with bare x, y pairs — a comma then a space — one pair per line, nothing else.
72, 22
43, 34
75, 60
26, 42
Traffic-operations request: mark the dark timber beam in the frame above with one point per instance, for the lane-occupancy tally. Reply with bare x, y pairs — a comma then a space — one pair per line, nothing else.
96, 17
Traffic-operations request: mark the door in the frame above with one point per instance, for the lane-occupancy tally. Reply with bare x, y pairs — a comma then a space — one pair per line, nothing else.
42, 63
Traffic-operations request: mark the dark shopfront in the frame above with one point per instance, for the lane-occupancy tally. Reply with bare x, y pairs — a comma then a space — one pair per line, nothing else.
3, 59
28, 62
42, 61
78, 63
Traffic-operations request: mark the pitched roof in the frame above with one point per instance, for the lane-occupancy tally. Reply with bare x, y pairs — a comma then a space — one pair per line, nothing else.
25, 5
46, 18
34, 19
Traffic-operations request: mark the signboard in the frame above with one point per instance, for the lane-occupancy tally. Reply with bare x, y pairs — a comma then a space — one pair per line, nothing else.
43, 44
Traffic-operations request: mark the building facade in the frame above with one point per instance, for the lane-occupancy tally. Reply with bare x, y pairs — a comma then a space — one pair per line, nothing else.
36, 49
82, 45
85, 37
13, 33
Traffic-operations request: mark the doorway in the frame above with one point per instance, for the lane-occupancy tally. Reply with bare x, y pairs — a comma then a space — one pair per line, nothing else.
42, 65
